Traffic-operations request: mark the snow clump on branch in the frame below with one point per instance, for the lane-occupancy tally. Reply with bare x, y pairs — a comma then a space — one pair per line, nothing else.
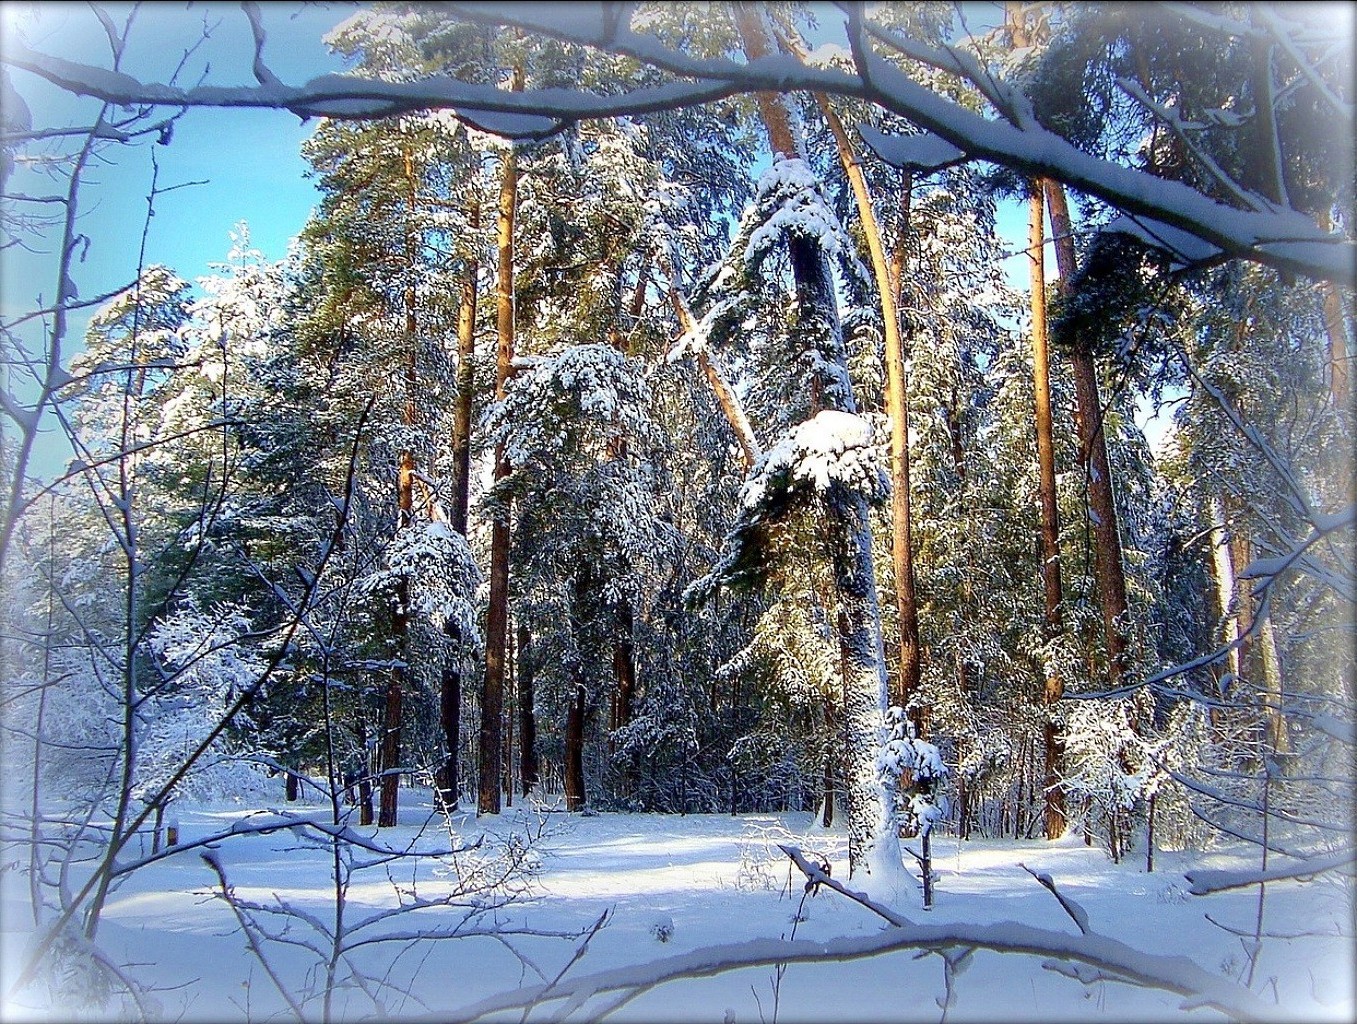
829, 448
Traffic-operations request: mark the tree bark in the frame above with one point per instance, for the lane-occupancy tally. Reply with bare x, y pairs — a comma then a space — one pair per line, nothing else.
450, 721
461, 419
497, 617
390, 762
527, 717
1273, 690
1222, 571
450, 682
1053, 690
365, 814
772, 106
574, 751
405, 478
1093, 456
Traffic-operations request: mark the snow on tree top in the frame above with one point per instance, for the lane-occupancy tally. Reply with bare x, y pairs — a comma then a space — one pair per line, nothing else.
791, 190
831, 447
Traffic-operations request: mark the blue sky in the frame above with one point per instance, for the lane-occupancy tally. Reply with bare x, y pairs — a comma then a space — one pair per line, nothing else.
249, 159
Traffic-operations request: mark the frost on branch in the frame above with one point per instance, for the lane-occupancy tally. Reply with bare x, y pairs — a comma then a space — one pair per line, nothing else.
436, 563
922, 806
207, 663
791, 201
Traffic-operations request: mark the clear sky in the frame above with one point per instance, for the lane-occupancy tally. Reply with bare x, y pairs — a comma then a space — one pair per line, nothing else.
248, 162
249, 159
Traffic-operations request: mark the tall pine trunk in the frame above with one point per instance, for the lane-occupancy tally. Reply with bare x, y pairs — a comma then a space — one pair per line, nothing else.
1093, 457
497, 617
466, 385
889, 287
450, 683
1053, 689
400, 620
872, 838
574, 751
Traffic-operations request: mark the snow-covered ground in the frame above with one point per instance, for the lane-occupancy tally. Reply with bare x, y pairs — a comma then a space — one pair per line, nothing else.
674, 884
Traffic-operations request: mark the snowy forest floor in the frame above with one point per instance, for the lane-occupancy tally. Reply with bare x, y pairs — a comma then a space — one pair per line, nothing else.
674, 884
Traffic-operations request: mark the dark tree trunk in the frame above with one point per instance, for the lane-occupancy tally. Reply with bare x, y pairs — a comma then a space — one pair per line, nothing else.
450, 721
831, 751
624, 671
365, 815
290, 787
574, 752
497, 617
527, 718
390, 760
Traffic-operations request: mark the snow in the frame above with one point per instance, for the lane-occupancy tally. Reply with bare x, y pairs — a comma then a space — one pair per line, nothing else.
707, 881
799, 207
831, 447
925, 152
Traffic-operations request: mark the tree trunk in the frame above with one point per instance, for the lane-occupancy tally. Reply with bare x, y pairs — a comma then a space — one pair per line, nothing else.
390, 761
497, 617
1273, 694
831, 759
365, 814
507, 766
872, 841
449, 720
450, 682
461, 419
527, 718
624, 672
772, 106
574, 752
400, 620
889, 287
1053, 690
1093, 456
1223, 578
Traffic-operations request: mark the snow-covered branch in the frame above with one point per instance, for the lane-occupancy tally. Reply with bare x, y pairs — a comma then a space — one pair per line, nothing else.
1174, 974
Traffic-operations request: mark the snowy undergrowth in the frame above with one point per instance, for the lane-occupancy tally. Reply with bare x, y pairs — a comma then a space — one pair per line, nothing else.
676, 884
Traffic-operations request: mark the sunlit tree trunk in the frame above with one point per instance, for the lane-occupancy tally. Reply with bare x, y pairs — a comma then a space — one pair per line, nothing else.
461, 417
897, 408
497, 617
1093, 457
1053, 689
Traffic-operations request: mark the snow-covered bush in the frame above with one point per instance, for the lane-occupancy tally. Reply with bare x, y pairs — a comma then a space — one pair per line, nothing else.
921, 805
208, 662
